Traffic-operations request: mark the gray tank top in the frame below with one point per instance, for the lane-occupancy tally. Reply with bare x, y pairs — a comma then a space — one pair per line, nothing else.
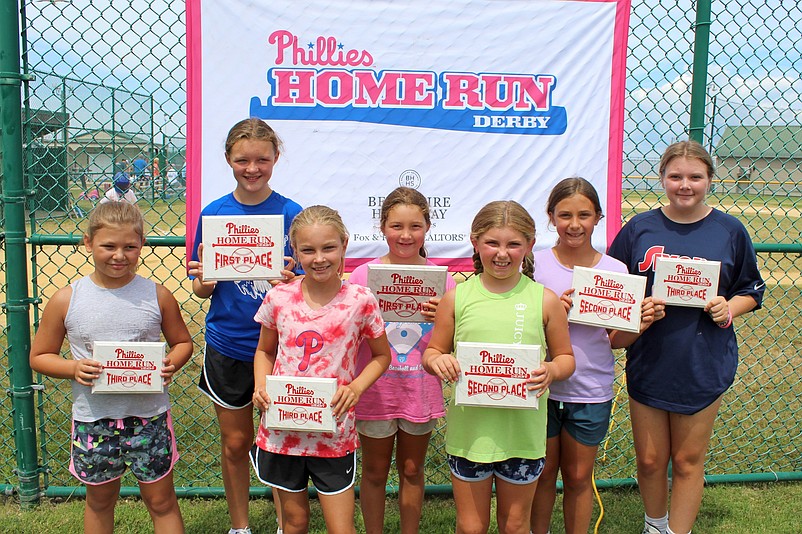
128, 313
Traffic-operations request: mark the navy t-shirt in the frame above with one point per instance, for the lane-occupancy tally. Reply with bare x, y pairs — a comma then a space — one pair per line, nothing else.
685, 361
230, 327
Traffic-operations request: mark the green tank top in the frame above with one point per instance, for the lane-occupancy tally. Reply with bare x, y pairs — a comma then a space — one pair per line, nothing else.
495, 434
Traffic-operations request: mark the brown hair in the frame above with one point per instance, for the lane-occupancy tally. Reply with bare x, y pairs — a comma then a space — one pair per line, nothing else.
687, 149
405, 196
498, 214
117, 214
569, 187
255, 129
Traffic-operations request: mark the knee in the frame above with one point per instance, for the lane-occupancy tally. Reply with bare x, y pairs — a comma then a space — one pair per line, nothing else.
101, 505
513, 523
471, 527
549, 474
651, 464
294, 522
375, 472
577, 477
161, 505
236, 446
687, 465
411, 470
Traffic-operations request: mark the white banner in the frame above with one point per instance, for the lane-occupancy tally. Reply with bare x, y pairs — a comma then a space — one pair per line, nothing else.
466, 101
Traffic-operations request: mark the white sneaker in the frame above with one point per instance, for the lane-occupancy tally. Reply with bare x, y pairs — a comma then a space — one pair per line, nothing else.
651, 529
246, 530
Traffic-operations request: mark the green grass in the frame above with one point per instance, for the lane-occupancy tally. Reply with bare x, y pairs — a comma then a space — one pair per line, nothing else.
731, 509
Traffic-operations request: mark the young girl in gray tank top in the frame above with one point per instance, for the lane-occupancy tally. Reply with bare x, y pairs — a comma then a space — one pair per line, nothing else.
116, 431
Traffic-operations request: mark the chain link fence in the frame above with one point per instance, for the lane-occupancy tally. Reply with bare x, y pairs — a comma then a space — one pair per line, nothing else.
109, 96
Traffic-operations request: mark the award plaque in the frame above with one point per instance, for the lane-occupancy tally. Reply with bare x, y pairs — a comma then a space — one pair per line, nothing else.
129, 367
607, 299
243, 247
402, 289
685, 282
494, 375
300, 403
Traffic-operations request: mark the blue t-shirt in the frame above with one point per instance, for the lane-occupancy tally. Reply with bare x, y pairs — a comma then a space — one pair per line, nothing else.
139, 166
230, 328
685, 361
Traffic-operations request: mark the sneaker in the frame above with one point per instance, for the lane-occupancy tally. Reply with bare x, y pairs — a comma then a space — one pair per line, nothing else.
246, 530
651, 529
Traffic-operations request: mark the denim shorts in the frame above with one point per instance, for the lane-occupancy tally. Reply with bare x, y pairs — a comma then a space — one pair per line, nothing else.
103, 449
512, 470
585, 422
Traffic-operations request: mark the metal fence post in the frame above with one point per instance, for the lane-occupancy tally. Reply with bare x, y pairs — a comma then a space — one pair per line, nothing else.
18, 303
696, 128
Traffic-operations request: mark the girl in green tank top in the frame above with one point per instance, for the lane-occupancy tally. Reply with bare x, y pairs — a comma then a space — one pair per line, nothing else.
501, 304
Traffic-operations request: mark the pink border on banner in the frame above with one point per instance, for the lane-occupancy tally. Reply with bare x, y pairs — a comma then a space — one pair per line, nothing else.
615, 142
194, 119
617, 102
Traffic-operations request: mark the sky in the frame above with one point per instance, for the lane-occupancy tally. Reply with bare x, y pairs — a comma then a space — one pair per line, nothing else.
137, 48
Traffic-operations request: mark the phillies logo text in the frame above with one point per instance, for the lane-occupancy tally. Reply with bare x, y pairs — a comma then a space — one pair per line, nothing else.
344, 87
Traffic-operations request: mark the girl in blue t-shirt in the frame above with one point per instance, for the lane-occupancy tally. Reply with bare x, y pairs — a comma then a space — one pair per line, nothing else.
678, 370
252, 150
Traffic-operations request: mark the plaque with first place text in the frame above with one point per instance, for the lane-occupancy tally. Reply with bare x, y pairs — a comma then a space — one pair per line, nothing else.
402, 290
243, 247
685, 282
129, 367
607, 299
494, 375
300, 403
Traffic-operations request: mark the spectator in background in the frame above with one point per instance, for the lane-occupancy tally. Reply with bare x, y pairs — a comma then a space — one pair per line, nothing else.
121, 191
173, 182
140, 166
140, 173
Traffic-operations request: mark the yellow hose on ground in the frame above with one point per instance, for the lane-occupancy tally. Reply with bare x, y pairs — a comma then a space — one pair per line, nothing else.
604, 452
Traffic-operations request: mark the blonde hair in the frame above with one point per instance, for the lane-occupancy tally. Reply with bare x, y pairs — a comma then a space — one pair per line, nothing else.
119, 214
498, 214
687, 149
252, 129
406, 196
321, 215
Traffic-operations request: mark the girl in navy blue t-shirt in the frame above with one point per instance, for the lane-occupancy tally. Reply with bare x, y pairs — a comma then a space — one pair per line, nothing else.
679, 368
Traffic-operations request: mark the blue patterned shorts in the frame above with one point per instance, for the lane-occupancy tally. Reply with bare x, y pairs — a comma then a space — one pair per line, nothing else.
103, 449
512, 470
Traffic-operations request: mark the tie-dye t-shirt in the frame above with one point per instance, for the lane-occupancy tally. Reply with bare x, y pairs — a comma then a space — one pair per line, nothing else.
320, 343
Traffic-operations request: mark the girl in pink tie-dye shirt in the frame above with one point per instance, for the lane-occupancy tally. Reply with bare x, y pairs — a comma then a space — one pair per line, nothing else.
313, 327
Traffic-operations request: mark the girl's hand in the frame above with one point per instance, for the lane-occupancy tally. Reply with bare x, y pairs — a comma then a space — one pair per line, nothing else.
287, 272
195, 268
429, 309
540, 379
86, 371
651, 310
445, 367
719, 310
344, 399
261, 399
566, 300
168, 370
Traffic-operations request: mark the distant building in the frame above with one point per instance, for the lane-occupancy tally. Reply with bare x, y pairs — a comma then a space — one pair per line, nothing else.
760, 160
98, 150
